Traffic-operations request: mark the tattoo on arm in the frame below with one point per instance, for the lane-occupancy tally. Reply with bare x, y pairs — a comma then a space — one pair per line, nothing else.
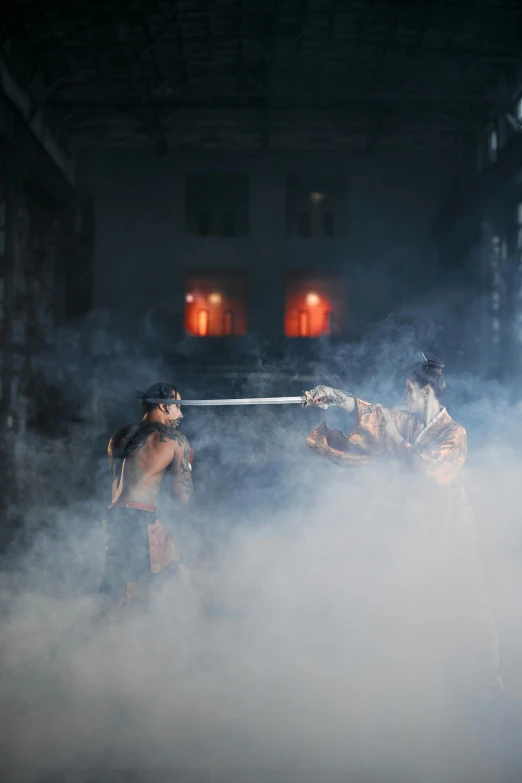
140, 434
185, 475
182, 488
135, 438
117, 449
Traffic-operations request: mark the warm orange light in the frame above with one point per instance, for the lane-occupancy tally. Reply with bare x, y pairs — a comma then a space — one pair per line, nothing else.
202, 323
228, 324
328, 322
215, 306
303, 323
316, 198
315, 306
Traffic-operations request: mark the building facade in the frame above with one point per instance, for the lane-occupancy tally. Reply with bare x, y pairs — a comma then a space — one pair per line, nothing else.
273, 249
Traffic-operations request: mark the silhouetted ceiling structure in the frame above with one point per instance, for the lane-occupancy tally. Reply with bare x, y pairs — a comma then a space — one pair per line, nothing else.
247, 74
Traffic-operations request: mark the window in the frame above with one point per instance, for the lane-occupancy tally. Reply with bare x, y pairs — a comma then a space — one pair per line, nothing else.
498, 257
328, 224
229, 322
315, 305
305, 226
215, 304
492, 144
202, 323
217, 205
229, 223
204, 218
316, 207
303, 323
518, 110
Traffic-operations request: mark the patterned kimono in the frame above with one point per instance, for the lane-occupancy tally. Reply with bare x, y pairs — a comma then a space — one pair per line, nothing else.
437, 451
435, 454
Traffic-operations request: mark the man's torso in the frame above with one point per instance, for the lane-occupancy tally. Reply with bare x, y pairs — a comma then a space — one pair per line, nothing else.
139, 455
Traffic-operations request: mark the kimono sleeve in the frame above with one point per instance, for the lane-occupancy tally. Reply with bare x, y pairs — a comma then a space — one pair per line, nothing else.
365, 442
440, 461
370, 421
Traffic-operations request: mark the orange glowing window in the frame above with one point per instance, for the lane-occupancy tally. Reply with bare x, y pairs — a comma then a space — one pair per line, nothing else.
228, 325
303, 323
202, 323
216, 304
315, 306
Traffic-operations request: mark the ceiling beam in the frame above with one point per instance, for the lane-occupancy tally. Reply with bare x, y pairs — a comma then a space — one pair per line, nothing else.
108, 49
148, 73
35, 153
239, 142
350, 102
480, 6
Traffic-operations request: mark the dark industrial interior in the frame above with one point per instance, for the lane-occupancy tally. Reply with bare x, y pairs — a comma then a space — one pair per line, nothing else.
247, 198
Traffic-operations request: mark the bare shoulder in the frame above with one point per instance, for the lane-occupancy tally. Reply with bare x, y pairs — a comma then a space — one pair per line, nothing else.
168, 440
171, 434
118, 440
169, 448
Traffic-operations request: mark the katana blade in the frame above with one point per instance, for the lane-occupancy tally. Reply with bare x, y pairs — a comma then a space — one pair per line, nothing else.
236, 401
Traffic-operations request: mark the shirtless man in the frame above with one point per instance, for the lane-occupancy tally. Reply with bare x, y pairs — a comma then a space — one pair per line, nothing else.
137, 544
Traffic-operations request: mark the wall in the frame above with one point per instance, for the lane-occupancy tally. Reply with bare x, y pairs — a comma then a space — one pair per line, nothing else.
500, 191
388, 257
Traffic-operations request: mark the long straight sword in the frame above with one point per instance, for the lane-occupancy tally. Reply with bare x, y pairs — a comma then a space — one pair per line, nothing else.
236, 401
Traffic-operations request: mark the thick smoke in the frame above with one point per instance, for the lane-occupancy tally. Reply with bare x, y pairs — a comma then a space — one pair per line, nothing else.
315, 644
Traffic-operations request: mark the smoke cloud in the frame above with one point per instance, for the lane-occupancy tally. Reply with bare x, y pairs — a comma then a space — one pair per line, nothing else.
318, 642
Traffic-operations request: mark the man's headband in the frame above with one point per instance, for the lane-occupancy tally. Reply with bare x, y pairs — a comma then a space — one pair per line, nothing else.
156, 400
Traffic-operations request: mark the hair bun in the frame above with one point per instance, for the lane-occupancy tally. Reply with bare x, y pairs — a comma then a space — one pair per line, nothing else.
434, 366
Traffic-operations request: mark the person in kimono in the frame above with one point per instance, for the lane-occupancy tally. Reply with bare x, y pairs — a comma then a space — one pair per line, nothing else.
432, 447
138, 547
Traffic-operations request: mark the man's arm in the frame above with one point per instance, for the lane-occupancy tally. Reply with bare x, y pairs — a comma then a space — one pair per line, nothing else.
110, 457
182, 488
114, 450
